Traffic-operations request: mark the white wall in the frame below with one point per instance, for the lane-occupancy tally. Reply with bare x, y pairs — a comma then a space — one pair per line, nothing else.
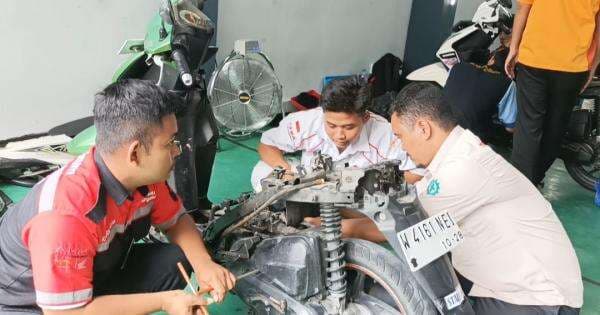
309, 39
465, 9
56, 54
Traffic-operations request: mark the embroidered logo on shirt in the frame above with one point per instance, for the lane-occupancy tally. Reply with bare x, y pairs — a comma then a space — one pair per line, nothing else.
433, 188
69, 257
149, 197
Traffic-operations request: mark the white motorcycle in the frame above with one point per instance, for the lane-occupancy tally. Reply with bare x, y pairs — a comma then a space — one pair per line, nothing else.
468, 41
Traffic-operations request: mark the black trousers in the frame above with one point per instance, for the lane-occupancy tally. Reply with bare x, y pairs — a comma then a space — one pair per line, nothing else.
545, 100
148, 268
490, 306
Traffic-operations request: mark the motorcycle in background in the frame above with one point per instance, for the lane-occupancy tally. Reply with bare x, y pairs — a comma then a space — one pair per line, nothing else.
470, 42
175, 47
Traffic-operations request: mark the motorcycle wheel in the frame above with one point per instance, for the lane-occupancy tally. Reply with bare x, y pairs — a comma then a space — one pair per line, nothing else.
583, 174
586, 175
371, 268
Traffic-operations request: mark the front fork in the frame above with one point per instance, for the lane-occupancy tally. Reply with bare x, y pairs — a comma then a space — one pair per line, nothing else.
198, 134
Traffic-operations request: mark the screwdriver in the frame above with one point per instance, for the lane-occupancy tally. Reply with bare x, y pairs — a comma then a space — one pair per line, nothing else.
208, 289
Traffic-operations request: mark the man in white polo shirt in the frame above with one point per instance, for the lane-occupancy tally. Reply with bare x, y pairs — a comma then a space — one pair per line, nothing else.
341, 128
515, 251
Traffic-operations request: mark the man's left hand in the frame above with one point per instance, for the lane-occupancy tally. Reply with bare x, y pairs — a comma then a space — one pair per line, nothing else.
587, 83
217, 277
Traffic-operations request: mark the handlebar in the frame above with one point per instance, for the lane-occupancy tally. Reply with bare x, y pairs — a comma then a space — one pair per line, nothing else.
178, 56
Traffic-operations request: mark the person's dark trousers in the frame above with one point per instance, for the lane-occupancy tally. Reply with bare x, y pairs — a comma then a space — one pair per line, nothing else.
490, 306
545, 100
148, 268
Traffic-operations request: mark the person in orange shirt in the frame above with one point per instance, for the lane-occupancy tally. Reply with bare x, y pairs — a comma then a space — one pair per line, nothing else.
550, 46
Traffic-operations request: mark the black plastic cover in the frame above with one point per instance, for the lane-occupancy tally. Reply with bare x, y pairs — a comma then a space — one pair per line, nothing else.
292, 263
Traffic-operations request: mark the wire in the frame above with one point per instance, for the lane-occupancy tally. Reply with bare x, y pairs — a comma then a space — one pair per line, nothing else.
270, 201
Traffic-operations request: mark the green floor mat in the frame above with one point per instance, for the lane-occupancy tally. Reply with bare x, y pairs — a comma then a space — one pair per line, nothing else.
232, 168
15, 193
581, 218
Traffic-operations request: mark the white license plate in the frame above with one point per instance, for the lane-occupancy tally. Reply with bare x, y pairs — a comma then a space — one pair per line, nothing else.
429, 239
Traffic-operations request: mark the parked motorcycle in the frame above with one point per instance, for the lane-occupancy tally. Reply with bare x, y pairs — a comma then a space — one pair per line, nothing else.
470, 42
175, 47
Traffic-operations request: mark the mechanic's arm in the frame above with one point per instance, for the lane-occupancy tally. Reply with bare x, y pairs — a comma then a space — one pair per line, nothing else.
411, 177
273, 156
596, 60
173, 302
185, 234
517, 35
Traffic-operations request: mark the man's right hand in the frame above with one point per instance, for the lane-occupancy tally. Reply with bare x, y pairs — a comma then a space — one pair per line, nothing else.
182, 303
511, 61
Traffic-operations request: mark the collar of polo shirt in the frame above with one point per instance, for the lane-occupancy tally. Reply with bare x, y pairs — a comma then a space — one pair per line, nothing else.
444, 148
329, 148
115, 189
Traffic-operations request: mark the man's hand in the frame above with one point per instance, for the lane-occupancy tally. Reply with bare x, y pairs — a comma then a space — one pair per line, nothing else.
209, 274
180, 303
217, 277
517, 33
587, 83
511, 60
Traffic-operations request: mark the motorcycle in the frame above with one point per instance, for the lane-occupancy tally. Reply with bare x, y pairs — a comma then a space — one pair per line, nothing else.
470, 41
311, 270
172, 53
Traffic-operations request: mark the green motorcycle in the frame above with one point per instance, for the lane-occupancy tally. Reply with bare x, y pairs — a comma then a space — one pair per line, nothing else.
172, 54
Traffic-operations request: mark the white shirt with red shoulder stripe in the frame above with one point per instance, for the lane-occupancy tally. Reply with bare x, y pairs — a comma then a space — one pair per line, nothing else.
305, 131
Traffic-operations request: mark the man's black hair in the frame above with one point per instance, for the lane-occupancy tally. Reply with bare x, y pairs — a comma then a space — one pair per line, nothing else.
129, 110
423, 100
351, 95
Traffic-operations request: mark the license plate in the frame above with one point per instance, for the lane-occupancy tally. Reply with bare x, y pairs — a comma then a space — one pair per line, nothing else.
429, 239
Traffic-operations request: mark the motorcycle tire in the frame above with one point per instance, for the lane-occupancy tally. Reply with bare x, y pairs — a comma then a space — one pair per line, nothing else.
576, 169
580, 175
391, 272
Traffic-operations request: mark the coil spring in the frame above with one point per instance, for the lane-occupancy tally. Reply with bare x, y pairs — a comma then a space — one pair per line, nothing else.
331, 235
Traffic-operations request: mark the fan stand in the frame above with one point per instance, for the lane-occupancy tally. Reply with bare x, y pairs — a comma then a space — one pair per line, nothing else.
237, 134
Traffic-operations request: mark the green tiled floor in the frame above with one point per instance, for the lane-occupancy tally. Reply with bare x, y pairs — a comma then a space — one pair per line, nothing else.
581, 218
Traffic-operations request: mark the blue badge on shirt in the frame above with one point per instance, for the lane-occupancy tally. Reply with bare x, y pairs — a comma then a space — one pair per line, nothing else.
433, 188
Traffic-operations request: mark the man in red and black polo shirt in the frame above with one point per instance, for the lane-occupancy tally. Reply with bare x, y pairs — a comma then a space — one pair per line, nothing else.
70, 246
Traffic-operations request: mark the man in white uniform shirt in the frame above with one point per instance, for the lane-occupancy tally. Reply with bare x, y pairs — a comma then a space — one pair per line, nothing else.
341, 128
515, 252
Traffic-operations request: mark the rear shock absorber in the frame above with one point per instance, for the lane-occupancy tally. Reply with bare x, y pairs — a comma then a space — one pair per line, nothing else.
331, 234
